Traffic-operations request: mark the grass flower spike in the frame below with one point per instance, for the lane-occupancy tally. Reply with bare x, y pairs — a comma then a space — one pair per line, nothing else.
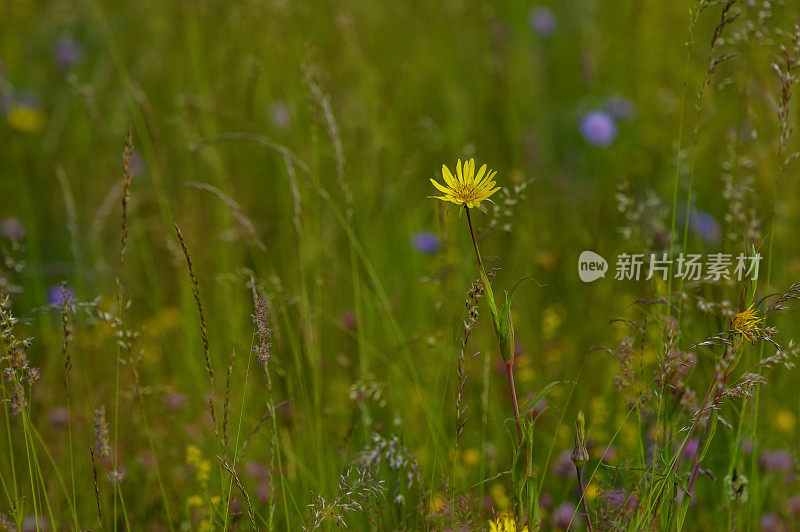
466, 188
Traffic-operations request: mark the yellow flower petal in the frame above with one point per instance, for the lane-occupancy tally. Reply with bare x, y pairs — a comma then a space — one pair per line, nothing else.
448, 177
481, 173
440, 187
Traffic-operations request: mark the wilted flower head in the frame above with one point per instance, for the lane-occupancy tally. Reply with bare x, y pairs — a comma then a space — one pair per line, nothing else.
737, 486
598, 128
543, 21
426, 243
467, 188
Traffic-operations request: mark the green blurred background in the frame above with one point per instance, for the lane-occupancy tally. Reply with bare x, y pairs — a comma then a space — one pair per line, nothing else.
367, 100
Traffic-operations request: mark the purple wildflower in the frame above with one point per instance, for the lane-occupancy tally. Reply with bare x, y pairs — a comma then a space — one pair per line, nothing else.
564, 466
174, 400
546, 500
280, 115
777, 460
12, 229
543, 21
67, 52
704, 225
794, 506
58, 417
34, 523
681, 494
426, 243
770, 523
348, 320
563, 516
747, 446
618, 498
57, 297
609, 453
620, 108
690, 452
598, 128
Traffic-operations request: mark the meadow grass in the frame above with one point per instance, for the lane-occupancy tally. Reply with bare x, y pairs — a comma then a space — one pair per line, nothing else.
227, 301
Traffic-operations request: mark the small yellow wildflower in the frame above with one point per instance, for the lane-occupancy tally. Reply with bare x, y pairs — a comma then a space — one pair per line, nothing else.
785, 421
551, 321
194, 458
746, 322
505, 522
499, 496
25, 119
194, 501
467, 189
193, 454
435, 505
591, 491
471, 456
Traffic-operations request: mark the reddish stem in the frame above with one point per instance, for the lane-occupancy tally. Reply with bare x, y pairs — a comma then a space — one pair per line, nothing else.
582, 492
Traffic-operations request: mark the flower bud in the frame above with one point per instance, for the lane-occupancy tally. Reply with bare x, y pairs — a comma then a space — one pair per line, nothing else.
579, 454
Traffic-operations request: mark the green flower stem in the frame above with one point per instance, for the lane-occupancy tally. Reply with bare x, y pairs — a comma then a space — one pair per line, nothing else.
474, 242
502, 332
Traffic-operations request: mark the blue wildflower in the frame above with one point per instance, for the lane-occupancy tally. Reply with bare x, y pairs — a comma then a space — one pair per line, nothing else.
598, 128
426, 243
57, 297
543, 21
67, 52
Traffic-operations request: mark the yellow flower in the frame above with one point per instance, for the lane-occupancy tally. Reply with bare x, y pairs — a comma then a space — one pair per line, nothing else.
467, 189
498, 494
746, 322
25, 119
194, 501
194, 458
435, 504
785, 421
471, 456
505, 522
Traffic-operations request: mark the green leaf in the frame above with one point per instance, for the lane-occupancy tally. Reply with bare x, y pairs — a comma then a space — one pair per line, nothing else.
531, 403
